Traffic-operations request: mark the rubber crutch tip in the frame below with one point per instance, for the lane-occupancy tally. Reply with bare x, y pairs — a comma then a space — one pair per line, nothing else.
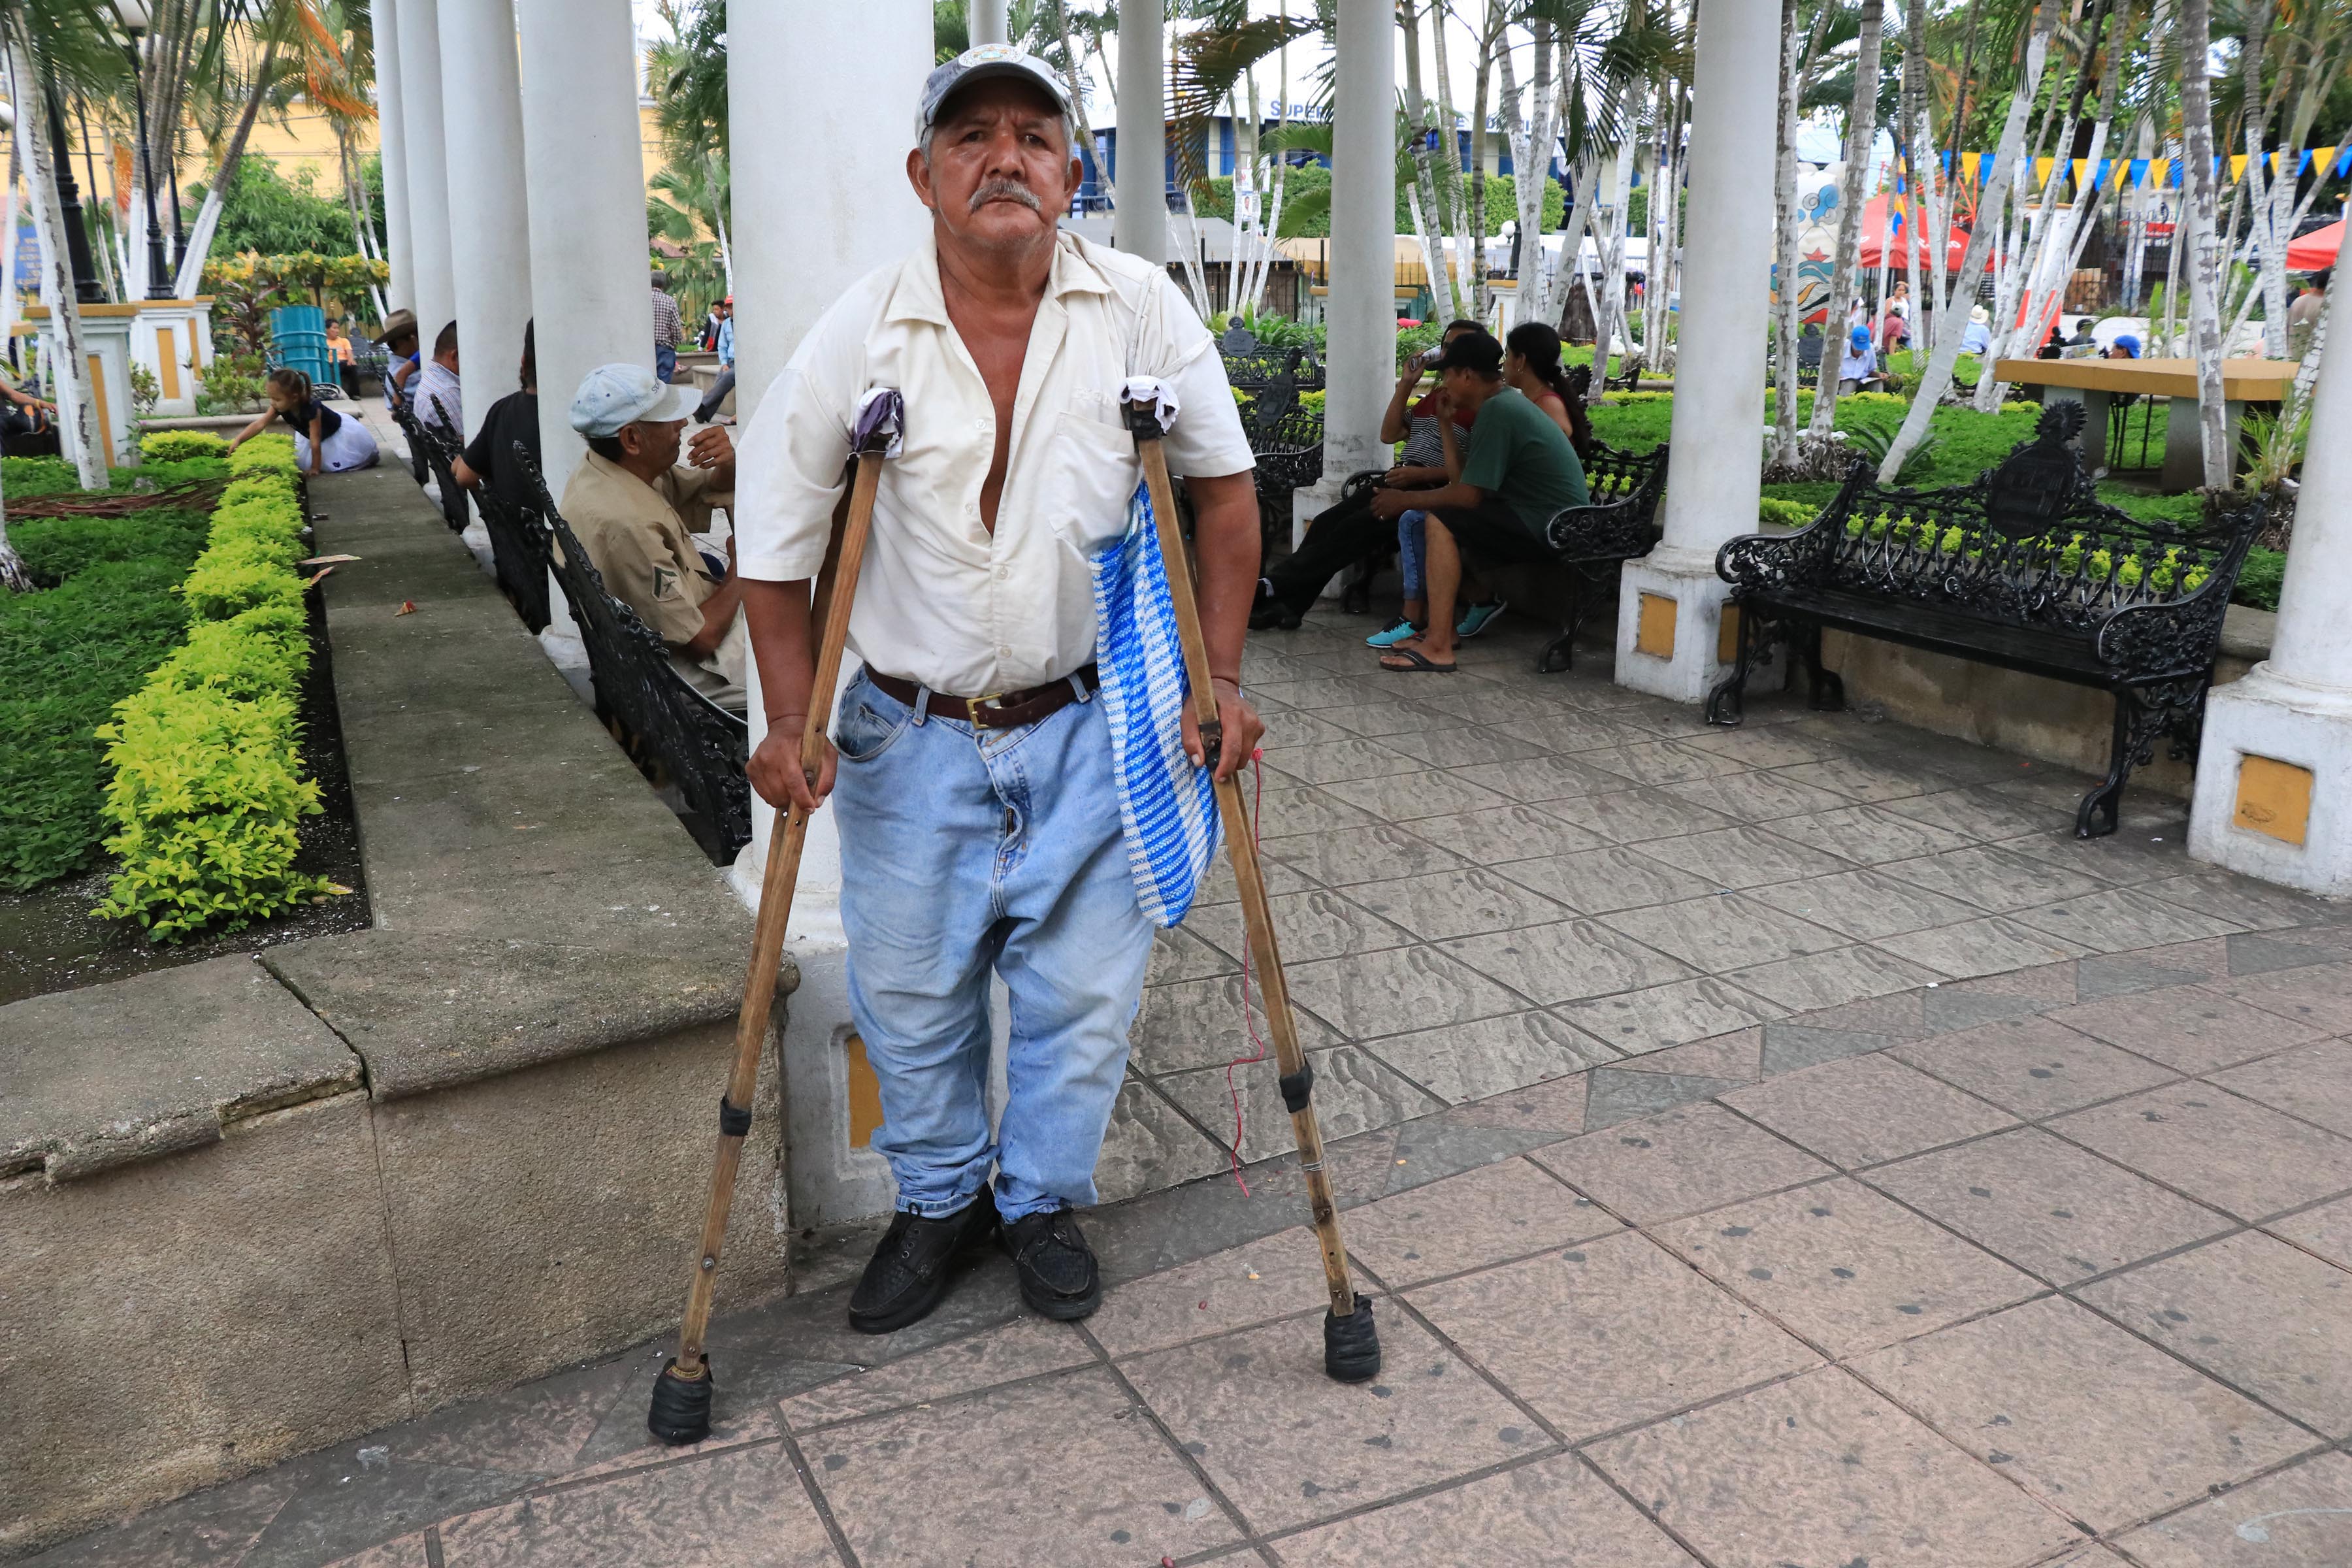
681, 1407
1351, 1345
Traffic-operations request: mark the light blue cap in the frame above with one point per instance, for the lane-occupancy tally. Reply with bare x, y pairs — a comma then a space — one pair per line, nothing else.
613, 396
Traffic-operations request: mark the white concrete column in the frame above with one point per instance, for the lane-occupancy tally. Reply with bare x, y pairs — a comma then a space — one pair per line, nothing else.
584, 173
988, 22
481, 111
425, 169
1359, 313
1141, 224
392, 140
2273, 793
1670, 609
806, 229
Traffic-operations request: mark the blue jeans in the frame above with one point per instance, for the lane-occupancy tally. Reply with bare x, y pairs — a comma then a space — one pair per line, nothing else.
963, 851
665, 360
1412, 552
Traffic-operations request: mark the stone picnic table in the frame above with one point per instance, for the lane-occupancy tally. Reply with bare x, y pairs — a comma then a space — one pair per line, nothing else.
2096, 383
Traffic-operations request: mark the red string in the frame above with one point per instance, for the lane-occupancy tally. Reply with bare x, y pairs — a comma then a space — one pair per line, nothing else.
1234, 1152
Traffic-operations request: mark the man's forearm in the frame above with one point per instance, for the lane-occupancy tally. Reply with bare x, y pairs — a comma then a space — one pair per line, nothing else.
1225, 545
1456, 497
777, 617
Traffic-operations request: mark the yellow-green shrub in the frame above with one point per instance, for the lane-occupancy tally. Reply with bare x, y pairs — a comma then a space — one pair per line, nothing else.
206, 761
178, 446
270, 454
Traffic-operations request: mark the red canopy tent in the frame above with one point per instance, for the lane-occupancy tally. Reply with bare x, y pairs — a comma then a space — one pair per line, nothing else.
1875, 228
2315, 249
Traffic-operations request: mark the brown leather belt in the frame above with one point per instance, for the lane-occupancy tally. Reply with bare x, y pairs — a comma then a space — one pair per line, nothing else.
998, 710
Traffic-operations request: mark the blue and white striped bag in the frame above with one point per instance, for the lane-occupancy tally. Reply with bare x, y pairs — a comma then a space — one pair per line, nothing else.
1166, 806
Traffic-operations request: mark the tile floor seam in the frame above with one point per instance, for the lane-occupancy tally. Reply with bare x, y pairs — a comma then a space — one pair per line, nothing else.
2292, 1461
1460, 1274
1454, 1348
1827, 1354
937, 1401
2116, 1321
1592, 1466
1436, 1098
814, 1490
2211, 1082
1249, 1533
2088, 1531
2051, 1128
1273, 1539
2232, 1227
1535, 1157
2175, 1080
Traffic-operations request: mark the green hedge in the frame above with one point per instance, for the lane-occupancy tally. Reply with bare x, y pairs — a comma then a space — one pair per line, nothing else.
208, 786
72, 649
177, 446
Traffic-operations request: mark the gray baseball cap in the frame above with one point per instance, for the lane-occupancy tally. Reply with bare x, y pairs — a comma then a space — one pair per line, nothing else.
977, 64
613, 396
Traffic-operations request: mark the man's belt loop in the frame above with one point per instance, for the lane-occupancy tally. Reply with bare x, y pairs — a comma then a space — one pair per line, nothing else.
1078, 685
922, 705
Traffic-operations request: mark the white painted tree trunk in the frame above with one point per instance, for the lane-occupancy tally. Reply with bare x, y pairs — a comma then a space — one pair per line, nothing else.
69, 383
1861, 134
200, 236
2205, 256
1953, 322
1784, 186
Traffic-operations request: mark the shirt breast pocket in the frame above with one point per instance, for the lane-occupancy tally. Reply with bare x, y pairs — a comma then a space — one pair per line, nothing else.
1094, 475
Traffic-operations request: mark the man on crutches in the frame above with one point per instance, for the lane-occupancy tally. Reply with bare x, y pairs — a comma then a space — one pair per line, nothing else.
974, 789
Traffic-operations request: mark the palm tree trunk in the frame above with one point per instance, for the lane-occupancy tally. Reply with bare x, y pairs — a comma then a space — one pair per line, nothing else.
1861, 132
1456, 224
1077, 84
200, 239
1938, 376
1476, 206
1794, 48
70, 386
2205, 260
1425, 207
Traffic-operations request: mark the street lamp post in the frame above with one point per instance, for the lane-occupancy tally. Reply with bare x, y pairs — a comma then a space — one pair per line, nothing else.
161, 285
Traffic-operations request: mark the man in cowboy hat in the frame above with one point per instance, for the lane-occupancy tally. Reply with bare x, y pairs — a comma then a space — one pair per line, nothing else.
978, 809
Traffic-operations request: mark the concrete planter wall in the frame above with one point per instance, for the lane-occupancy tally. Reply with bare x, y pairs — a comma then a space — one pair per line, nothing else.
257, 1206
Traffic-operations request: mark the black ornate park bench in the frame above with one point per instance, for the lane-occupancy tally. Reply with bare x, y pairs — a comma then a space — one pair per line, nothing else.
440, 451
2024, 569
1593, 542
519, 557
1285, 437
674, 733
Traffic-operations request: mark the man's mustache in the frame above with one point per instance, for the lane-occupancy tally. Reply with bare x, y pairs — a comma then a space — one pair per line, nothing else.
1005, 190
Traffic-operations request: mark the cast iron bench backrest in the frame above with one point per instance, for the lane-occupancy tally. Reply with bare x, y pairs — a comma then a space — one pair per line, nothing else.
441, 454
1622, 519
2029, 544
698, 744
518, 554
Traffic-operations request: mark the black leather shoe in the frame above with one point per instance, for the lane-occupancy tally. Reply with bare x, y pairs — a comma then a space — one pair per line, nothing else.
1059, 1278
911, 1271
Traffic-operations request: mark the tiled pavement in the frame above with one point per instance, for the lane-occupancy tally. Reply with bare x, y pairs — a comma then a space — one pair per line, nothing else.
1775, 1147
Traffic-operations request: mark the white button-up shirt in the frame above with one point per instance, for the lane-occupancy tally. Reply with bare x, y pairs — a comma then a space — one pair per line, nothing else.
942, 601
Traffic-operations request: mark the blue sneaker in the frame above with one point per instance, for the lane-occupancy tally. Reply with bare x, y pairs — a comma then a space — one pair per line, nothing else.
1393, 634
1478, 618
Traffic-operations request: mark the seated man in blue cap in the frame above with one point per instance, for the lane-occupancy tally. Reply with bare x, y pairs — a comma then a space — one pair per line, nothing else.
637, 509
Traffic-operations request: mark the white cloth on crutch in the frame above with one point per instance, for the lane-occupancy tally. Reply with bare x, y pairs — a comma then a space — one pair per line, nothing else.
1166, 804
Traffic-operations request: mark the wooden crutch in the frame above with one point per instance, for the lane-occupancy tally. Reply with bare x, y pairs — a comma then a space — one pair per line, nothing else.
1351, 1344
681, 1403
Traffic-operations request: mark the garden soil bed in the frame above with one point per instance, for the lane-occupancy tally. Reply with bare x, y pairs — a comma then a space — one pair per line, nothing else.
50, 941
